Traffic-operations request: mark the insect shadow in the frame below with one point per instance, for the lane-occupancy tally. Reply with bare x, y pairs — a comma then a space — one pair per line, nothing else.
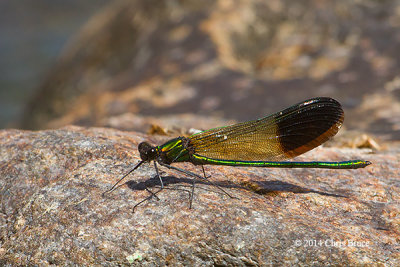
172, 180
263, 187
266, 187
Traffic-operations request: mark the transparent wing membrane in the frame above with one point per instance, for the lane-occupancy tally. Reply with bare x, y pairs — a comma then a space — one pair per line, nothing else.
280, 136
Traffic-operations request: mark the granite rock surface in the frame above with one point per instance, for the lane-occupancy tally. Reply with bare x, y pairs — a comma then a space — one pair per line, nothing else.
53, 211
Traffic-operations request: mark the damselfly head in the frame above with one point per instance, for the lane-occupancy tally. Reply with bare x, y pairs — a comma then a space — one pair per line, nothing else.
147, 151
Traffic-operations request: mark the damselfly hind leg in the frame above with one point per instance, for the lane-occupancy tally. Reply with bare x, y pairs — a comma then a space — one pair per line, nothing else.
204, 172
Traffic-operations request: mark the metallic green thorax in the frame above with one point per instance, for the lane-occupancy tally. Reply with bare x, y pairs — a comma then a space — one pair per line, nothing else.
175, 150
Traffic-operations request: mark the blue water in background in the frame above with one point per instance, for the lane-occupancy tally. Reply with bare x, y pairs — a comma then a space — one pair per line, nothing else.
32, 35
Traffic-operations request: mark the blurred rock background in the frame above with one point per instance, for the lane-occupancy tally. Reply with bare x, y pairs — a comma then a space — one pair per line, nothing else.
179, 63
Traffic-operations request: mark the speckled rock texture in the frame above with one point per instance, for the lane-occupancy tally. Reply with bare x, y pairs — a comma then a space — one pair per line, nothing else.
53, 211
234, 59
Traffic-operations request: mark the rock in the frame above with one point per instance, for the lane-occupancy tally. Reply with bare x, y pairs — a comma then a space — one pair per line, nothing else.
53, 211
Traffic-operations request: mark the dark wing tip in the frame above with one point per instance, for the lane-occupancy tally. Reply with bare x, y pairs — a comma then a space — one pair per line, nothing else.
308, 124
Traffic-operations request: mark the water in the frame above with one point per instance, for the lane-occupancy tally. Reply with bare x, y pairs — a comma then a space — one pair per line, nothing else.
32, 35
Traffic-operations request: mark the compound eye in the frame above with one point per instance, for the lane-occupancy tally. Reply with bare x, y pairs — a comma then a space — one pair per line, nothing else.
147, 152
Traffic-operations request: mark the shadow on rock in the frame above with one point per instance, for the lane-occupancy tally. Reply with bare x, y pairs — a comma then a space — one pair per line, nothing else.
265, 187
259, 187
